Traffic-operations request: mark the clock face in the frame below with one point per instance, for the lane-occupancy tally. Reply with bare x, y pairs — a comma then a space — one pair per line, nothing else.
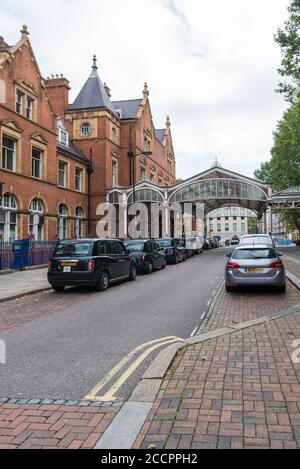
86, 129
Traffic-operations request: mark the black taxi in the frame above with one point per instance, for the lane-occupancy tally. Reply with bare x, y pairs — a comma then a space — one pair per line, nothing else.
95, 262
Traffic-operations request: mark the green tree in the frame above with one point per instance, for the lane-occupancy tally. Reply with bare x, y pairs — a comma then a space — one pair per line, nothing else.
283, 170
291, 218
288, 39
263, 173
285, 163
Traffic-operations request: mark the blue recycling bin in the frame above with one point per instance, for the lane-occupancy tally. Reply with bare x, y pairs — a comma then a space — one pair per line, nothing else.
20, 251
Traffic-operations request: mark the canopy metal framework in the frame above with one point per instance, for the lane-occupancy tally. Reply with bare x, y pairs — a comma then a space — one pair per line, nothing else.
286, 200
215, 188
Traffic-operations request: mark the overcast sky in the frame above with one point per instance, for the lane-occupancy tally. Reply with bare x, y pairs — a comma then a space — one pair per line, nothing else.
210, 65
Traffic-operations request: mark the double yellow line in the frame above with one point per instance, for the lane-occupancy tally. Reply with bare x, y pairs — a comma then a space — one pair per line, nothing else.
110, 394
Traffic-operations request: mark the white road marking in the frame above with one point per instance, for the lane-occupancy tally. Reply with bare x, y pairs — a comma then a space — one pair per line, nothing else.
194, 331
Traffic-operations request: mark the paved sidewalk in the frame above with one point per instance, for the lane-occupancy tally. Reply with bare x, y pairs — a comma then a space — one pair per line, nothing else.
240, 390
53, 426
21, 283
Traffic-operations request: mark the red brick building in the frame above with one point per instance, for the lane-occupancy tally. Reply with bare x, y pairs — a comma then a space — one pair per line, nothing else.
59, 160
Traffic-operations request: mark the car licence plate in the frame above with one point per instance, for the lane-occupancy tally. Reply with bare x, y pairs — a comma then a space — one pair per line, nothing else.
254, 271
67, 269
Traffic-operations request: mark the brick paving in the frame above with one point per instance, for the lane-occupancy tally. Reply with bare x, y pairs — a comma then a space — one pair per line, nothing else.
237, 391
233, 308
39, 305
52, 426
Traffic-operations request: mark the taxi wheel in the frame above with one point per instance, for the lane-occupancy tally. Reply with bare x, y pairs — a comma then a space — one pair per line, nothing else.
150, 268
103, 282
132, 273
58, 288
164, 265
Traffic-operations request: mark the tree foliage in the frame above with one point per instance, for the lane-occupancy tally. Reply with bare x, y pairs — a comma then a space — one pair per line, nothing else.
288, 39
283, 170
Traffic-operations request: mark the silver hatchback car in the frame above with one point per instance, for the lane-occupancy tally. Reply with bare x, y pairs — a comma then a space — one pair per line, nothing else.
251, 265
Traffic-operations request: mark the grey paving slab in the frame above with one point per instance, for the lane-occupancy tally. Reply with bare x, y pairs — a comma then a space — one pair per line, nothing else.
22, 283
122, 432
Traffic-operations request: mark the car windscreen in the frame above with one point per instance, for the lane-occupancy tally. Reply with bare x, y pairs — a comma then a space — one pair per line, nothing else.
247, 254
134, 247
72, 249
256, 240
164, 243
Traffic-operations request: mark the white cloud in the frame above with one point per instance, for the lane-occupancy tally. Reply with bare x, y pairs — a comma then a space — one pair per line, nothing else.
210, 65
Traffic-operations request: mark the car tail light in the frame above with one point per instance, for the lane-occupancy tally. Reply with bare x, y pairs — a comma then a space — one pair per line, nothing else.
233, 265
49, 265
90, 265
143, 257
276, 265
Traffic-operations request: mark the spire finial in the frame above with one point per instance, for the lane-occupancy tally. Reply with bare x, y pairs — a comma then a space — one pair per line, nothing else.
146, 90
94, 67
24, 31
216, 163
168, 122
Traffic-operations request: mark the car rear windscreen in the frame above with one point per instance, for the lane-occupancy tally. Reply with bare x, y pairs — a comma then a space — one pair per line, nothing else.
134, 247
247, 254
164, 243
256, 240
73, 249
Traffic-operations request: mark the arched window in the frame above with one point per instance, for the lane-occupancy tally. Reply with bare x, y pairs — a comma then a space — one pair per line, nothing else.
36, 221
62, 222
8, 218
114, 134
79, 222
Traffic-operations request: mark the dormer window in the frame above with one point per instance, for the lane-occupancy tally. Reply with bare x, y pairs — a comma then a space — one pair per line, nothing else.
63, 137
119, 113
62, 133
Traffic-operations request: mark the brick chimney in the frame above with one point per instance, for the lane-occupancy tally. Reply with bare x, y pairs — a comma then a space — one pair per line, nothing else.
58, 91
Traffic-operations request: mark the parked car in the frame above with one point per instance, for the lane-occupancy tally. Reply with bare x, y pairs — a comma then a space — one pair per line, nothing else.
174, 251
197, 244
235, 240
188, 247
255, 265
257, 239
148, 255
95, 262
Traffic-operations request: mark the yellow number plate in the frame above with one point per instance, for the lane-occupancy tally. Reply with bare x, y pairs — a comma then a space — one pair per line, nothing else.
254, 271
68, 264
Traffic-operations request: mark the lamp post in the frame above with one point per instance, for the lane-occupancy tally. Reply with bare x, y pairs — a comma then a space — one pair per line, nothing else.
90, 171
131, 156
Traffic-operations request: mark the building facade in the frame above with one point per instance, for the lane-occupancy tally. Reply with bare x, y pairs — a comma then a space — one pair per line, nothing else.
227, 222
60, 159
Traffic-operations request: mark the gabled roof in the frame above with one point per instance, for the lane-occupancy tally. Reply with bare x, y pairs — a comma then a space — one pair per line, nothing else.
217, 169
129, 107
160, 133
93, 94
